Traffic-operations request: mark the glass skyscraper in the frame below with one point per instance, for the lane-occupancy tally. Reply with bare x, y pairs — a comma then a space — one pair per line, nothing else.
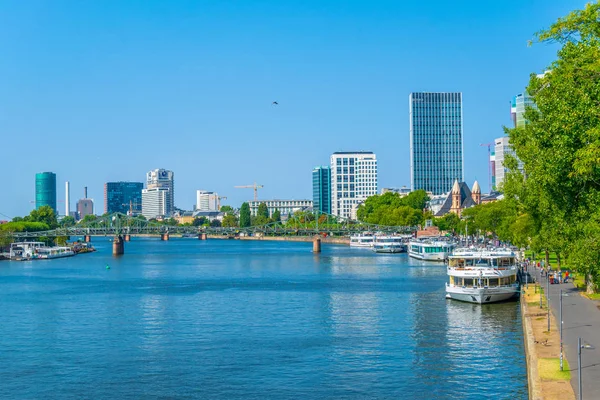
436, 141
119, 196
45, 190
321, 177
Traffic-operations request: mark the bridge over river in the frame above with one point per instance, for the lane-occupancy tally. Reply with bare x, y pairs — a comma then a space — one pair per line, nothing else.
122, 227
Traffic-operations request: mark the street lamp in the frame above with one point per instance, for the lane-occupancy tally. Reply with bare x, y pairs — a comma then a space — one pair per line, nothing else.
548, 299
579, 347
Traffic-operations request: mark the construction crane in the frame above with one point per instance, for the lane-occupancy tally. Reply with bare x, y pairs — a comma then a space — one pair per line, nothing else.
131, 204
255, 187
489, 146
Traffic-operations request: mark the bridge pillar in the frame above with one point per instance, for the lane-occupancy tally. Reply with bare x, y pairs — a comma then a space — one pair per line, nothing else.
128, 237
164, 236
87, 238
317, 245
118, 246
202, 236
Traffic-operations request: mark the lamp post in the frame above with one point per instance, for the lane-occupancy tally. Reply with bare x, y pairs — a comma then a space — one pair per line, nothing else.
548, 300
579, 347
561, 328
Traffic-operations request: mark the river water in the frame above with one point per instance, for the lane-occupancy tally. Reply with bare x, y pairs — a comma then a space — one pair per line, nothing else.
225, 319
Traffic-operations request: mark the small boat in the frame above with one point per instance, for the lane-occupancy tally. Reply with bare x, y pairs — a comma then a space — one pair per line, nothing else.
430, 250
482, 275
389, 244
365, 240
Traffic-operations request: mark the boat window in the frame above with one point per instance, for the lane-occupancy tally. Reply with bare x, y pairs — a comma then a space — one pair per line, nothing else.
493, 282
468, 282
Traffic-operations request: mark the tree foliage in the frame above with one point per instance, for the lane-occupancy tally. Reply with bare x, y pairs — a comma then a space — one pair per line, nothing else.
558, 196
276, 216
392, 210
229, 221
245, 219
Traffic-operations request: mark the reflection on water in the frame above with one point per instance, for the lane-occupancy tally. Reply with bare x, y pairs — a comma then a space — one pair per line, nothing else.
250, 320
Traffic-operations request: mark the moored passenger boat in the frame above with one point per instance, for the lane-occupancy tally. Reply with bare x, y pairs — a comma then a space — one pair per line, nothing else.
429, 250
389, 244
482, 275
362, 240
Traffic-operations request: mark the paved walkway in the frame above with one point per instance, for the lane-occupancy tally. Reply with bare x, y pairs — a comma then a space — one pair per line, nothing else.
581, 318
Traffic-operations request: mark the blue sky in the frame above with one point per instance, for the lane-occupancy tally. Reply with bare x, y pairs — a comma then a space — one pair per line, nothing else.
100, 91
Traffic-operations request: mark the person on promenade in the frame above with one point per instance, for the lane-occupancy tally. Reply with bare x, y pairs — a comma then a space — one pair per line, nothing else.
566, 276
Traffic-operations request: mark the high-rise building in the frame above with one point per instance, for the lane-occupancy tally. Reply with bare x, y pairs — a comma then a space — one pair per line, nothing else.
207, 201
436, 141
123, 197
517, 109
155, 202
45, 190
353, 179
165, 179
321, 178
85, 207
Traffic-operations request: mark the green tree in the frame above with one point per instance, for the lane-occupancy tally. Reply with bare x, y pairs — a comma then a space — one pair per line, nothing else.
199, 221
449, 223
88, 219
67, 221
262, 211
245, 219
276, 216
229, 221
44, 214
215, 223
226, 209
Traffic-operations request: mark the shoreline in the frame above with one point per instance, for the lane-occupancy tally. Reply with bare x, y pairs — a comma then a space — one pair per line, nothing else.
542, 349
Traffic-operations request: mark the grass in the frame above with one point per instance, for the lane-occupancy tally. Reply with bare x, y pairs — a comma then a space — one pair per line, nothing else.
579, 283
549, 369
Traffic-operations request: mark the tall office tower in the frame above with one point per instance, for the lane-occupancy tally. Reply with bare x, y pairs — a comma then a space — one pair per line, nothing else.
162, 178
353, 179
123, 197
502, 148
436, 141
45, 190
517, 109
321, 179
67, 199
155, 202
207, 201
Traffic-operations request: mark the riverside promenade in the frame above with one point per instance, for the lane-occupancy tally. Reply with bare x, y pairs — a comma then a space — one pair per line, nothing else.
581, 318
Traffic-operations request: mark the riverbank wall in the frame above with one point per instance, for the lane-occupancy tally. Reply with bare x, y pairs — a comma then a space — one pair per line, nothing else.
328, 239
542, 350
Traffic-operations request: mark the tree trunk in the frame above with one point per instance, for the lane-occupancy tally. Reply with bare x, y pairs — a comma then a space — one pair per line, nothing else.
589, 284
547, 260
558, 260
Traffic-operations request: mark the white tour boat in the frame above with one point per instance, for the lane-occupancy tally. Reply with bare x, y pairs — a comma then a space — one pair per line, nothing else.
389, 244
24, 250
482, 275
429, 250
362, 240
47, 253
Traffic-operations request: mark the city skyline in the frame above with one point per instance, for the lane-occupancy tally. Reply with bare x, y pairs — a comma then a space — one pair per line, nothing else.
135, 79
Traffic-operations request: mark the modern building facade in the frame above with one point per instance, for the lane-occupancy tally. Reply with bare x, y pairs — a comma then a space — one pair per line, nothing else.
321, 179
123, 197
207, 201
45, 190
85, 207
436, 141
353, 179
155, 202
164, 179
285, 207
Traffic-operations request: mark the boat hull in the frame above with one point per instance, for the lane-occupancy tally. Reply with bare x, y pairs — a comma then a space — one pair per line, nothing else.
428, 256
391, 250
481, 295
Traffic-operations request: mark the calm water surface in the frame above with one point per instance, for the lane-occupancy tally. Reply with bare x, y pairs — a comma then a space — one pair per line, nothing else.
216, 319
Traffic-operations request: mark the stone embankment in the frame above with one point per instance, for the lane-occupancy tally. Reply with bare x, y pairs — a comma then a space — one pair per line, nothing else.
328, 239
542, 350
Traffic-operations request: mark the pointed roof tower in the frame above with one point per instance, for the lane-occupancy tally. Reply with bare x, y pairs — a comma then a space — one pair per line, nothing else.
456, 187
476, 188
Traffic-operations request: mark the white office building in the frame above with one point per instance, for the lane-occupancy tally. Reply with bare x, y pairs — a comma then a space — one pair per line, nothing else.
164, 179
285, 207
207, 201
353, 179
502, 147
155, 202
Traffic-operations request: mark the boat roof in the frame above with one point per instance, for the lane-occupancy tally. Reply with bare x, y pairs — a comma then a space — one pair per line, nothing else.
482, 253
